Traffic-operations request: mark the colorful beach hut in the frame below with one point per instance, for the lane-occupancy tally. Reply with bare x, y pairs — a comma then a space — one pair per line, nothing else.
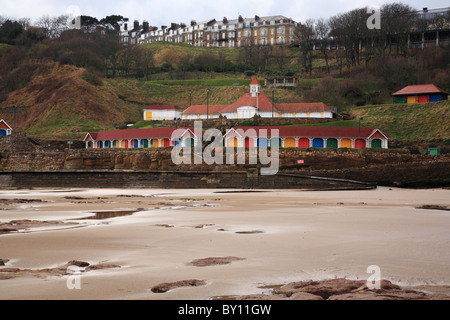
243, 137
306, 137
423, 93
139, 138
5, 129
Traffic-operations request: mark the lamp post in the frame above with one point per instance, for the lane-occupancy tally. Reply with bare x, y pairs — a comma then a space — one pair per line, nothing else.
272, 100
15, 111
359, 133
190, 98
207, 103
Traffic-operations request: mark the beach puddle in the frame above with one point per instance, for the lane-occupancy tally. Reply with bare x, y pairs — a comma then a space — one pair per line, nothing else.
213, 261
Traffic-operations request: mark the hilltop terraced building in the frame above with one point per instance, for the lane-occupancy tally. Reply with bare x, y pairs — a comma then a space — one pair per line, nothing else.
270, 30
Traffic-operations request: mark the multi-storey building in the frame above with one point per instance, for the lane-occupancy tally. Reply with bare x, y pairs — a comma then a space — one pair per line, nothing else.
432, 28
239, 32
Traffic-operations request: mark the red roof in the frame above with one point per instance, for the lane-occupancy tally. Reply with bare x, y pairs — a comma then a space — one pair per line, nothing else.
162, 107
309, 132
312, 132
303, 107
255, 81
4, 125
263, 102
419, 89
128, 134
199, 109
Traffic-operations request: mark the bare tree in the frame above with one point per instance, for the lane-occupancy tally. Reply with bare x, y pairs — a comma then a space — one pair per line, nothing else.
3, 19
322, 32
145, 62
25, 23
350, 30
52, 27
280, 56
397, 21
304, 32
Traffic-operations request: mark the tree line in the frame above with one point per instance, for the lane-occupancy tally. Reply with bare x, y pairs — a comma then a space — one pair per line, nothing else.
348, 40
343, 41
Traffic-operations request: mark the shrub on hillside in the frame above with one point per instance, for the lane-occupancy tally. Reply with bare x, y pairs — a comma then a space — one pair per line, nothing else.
92, 78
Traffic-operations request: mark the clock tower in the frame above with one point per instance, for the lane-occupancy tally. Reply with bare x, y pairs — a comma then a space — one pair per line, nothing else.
255, 87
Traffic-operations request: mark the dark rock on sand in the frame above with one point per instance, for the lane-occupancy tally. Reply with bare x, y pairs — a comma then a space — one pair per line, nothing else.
164, 287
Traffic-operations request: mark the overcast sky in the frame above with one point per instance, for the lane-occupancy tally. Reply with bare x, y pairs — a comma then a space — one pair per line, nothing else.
166, 11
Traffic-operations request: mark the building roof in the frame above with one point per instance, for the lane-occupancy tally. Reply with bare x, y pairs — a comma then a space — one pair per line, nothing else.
418, 89
163, 107
263, 131
255, 81
128, 134
303, 107
4, 125
262, 102
308, 132
203, 109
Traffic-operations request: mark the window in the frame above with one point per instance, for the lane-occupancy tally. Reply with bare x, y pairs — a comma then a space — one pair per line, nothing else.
256, 33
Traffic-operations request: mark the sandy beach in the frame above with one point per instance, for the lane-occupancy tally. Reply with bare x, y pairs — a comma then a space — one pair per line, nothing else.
231, 242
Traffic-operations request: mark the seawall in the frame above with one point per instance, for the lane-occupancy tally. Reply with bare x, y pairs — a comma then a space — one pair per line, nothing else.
42, 167
249, 179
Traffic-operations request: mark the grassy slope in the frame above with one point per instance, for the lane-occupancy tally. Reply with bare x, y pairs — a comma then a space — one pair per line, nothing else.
62, 105
408, 121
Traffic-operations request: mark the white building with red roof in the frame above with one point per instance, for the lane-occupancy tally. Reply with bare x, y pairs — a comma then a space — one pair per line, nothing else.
162, 112
258, 103
5, 129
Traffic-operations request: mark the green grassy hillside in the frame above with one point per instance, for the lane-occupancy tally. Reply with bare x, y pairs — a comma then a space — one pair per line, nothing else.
408, 122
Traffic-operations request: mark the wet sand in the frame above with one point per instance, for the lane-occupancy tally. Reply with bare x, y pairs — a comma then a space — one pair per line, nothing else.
206, 244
